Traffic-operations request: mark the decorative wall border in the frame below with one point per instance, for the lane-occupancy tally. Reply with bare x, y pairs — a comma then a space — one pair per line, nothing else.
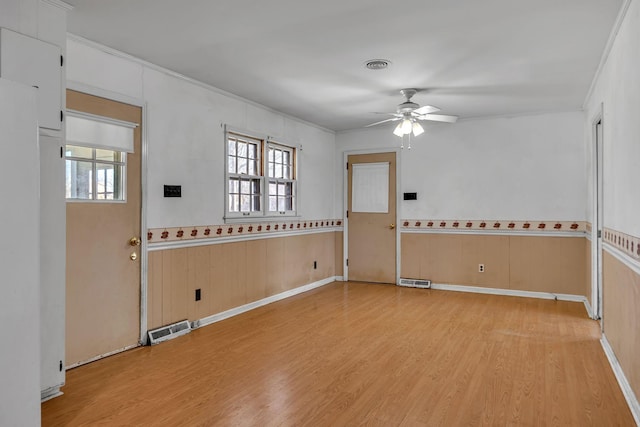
625, 243
198, 232
500, 226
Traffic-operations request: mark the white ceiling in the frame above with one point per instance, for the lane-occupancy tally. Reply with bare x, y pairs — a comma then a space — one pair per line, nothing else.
305, 58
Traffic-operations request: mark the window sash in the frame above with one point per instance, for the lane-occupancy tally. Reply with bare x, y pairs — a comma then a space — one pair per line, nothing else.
258, 163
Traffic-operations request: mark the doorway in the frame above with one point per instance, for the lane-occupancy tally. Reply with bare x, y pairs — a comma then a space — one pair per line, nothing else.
103, 237
371, 218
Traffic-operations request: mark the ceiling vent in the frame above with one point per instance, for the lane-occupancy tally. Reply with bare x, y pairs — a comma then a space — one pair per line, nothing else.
377, 64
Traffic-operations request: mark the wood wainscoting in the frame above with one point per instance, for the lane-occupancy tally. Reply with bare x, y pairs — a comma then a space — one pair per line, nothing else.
233, 274
621, 315
550, 264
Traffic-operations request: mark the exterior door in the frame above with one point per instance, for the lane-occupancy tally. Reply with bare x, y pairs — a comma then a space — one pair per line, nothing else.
371, 217
103, 274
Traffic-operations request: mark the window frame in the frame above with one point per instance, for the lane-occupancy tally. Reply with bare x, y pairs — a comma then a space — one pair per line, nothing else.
292, 180
265, 142
122, 164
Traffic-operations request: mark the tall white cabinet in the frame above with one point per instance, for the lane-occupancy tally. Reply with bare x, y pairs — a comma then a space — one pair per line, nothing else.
32, 52
20, 272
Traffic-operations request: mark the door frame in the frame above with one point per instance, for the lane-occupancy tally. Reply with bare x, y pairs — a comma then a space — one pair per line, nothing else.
345, 203
144, 257
597, 215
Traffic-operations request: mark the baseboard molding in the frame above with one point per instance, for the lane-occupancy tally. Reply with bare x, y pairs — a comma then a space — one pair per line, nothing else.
512, 293
587, 306
102, 356
627, 391
50, 393
253, 305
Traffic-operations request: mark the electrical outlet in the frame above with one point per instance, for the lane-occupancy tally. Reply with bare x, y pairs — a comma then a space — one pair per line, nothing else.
480, 268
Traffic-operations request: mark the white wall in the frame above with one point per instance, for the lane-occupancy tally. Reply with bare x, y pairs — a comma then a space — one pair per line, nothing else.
185, 135
617, 90
521, 168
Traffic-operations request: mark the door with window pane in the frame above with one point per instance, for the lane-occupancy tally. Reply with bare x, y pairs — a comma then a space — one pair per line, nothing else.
372, 217
103, 227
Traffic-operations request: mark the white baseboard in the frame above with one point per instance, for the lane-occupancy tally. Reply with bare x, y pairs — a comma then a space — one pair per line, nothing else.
513, 293
50, 393
587, 306
627, 391
253, 305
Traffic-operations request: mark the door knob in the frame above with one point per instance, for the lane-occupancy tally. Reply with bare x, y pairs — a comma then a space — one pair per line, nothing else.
392, 226
134, 241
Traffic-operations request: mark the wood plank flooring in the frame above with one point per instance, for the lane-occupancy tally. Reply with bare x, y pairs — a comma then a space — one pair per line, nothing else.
361, 354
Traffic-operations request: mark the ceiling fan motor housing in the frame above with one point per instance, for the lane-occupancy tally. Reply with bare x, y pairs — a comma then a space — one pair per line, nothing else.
407, 107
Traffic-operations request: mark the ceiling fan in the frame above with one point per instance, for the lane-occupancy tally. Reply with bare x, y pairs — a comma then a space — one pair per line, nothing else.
411, 113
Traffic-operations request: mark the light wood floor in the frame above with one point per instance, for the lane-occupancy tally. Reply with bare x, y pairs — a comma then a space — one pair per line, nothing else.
350, 354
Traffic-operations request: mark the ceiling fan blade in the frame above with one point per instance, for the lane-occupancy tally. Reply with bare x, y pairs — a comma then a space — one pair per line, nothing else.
388, 114
383, 121
439, 118
426, 110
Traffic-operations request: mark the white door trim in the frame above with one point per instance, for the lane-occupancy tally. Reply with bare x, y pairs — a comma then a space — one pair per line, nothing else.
345, 203
144, 254
597, 214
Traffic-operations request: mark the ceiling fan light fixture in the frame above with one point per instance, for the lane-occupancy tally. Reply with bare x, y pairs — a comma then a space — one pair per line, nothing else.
417, 129
398, 130
406, 126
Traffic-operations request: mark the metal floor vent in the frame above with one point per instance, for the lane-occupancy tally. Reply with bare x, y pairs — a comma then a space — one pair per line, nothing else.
415, 283
169, 332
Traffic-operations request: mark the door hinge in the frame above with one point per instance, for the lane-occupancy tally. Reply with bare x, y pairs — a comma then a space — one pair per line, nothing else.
347, 262
61, 60
347, 214
599, 234
61, 152
347, 166
61, 116
60, 366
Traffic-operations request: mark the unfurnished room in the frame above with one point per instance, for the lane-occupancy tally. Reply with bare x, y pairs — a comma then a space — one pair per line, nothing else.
331, 213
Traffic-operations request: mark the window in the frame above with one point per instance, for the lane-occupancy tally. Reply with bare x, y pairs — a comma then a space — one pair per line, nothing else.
94, 174
259, 184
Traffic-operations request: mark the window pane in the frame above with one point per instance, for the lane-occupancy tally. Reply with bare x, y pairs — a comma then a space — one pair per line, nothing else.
242, 149
277, 156
105, 182
242, 165
288, 203
271, 169
278, 171
253, 167
288, 189
256, 203
232, 165
244, 187
245, 203
256, 186
234, 203
270, 158
281, 189
108, 155
79, 179
273, 188
75, 151
273, 203
281, 204
285, 157
233, 185
232, 147
253, 150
